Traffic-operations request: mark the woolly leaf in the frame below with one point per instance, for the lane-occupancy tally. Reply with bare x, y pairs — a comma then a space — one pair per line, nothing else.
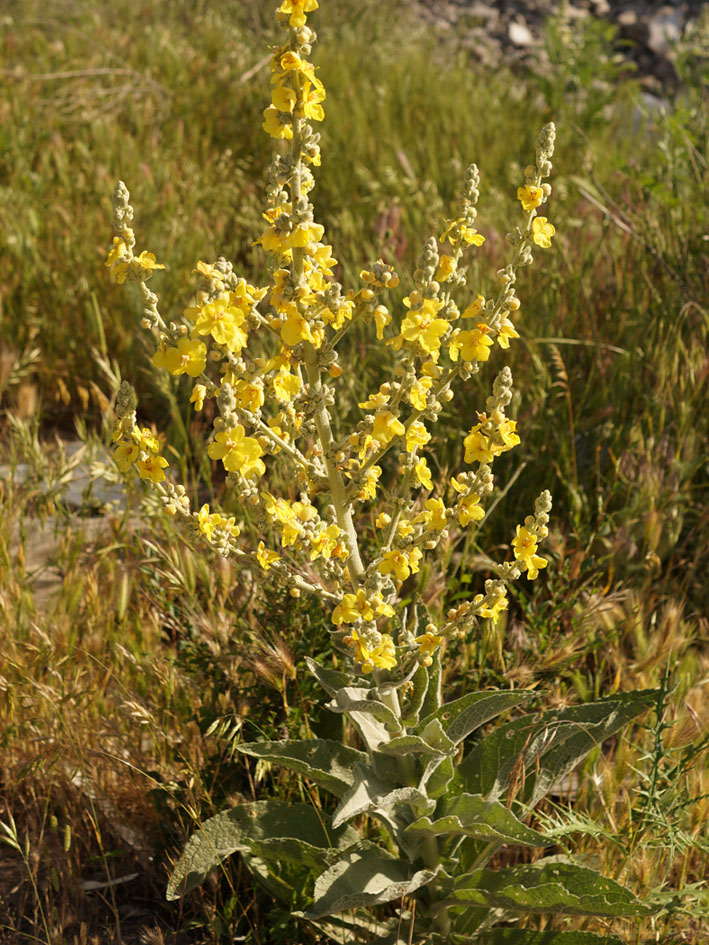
330, 679
288, 830
462, 716
431, 741
535, 753
434, 693
437, 776
472, 816
411, 708
369, 794
551, 887
373, 719
327, 763
364, 877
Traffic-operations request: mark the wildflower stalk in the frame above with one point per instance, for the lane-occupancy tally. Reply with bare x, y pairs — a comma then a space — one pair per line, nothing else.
262, 354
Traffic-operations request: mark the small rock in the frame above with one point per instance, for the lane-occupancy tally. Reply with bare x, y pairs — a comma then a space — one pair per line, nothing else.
665, 29
520, 34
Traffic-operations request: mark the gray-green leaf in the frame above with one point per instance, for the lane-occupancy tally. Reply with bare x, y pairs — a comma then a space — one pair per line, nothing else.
328, 763
462, 716
552, 887
288, 830
364, 877
369, 794
541, 751
471, 815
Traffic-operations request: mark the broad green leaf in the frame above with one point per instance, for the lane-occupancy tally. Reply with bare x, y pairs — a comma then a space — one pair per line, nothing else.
472, 816
369, 794
411, 707
358, 925
364, 877
298, 828
374, 720
437, 776
538, 752
330, 679
551, 887
431, 741
327, 763
532, 937
462, 716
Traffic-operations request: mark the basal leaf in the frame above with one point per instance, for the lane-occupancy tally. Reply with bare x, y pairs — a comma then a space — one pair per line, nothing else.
364, 877
327, 763
472, 816
551, 887
250, 828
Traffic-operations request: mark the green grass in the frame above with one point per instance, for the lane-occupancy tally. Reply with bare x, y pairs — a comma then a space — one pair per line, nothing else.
122, 693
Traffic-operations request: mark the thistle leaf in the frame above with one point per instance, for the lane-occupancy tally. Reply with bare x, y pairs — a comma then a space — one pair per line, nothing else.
472, 816
462, 716
551, 887
286, 830
364, 877
327, 763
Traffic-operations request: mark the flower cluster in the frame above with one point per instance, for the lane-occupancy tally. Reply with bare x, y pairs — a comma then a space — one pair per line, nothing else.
267, 357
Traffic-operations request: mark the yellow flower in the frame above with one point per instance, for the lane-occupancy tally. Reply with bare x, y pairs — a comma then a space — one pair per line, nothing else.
286, 385
296, 329
368, 489
248, 396
238, 452
324, 543
265, 557
206, 522
274, 125
423, 327
283, 98
297, 10
401, 563
189, 357
530, 196
469, 509
152, 468
542, 232
144, 264
199, 392
418, 392
417, 435
475, 307
223, 321
525, 551
423, 474
118, 260
313, 93
382, 520
507, 331
477, 447
353, 607
446, 267
428, 643
473, 345
386, 427
459, 230
125, 455
374, 401
383, 656
434, 516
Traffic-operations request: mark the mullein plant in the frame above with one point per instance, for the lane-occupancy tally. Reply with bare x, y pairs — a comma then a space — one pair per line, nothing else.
432, 807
